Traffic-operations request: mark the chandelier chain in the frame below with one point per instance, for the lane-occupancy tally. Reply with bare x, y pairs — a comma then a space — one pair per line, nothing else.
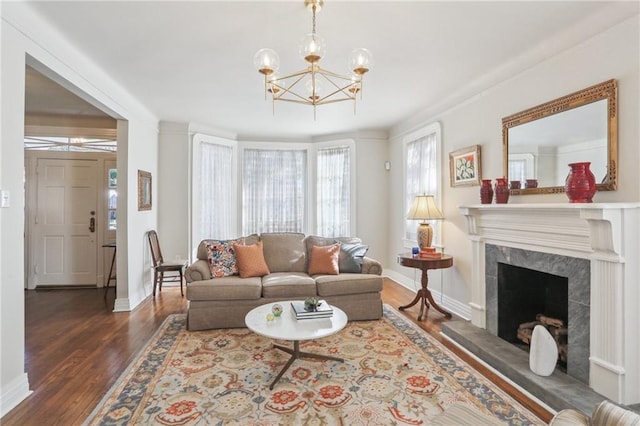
313, 30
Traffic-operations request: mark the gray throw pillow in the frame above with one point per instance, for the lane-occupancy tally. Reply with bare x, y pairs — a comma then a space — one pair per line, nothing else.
351, 257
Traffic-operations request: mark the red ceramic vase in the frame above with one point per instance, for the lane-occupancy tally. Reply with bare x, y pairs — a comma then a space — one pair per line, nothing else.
580, 185
486, 192
502, 190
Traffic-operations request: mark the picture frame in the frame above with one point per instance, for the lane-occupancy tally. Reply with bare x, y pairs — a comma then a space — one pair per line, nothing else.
144, 190
465, 167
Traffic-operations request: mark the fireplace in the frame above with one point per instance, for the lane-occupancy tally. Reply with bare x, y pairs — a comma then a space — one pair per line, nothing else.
522, 283
596, 247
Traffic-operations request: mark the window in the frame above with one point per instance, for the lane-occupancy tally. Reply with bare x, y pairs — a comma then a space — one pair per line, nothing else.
521, 167
423, 171
333, 192
273, 190
215, 192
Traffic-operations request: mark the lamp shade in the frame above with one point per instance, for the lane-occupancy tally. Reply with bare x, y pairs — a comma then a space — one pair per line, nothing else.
424, 208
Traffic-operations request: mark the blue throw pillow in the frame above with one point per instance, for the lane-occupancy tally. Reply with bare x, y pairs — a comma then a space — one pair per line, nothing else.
351, 257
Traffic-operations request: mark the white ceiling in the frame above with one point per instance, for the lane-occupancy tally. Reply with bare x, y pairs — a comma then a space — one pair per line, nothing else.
193, 61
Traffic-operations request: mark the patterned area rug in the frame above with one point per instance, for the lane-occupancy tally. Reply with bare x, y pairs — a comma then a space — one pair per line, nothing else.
394, 374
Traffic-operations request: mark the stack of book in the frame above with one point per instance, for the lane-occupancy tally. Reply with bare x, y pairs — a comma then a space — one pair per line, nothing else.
429, 253
323, 311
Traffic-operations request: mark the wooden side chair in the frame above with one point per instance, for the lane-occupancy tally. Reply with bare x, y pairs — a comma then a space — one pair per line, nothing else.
160, 267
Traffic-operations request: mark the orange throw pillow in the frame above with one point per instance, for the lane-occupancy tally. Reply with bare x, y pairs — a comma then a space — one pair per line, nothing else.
250, 260
324, 260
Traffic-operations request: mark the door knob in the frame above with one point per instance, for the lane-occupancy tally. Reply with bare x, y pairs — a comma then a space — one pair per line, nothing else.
92, 224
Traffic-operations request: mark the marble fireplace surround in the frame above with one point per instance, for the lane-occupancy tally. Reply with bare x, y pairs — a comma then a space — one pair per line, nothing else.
577, 272
607, 235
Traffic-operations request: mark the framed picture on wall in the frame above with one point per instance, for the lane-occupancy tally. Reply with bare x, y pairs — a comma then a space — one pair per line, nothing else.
144, 190
465, 167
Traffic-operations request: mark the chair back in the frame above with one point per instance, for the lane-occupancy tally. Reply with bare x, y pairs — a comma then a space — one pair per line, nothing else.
154, 244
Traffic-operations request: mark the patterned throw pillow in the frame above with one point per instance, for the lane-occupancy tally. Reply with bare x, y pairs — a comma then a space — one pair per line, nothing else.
251, 261
352, 257
324, 260
222, 257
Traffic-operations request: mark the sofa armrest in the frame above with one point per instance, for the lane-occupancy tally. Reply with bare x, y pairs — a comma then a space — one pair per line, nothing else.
570, 417
198, 271
371, 266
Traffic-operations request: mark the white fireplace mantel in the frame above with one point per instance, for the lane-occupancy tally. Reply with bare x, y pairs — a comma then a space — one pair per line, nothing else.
608, 234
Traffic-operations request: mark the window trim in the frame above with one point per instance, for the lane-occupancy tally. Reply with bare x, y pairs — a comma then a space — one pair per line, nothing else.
433, 128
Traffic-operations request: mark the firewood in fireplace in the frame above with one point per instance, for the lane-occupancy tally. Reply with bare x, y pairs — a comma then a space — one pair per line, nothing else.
549, 320
524, 334
555, 326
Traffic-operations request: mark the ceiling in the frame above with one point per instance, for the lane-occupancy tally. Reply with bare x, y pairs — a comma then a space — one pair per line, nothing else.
193, 61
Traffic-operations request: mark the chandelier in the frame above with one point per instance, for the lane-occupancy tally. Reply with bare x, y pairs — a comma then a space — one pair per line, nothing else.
312, 85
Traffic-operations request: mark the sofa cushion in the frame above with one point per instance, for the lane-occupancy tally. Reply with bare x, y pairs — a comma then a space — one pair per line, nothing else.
324, 260
284, 251
288, 285
335, 285
352, 257
251, 261
225, 288
222, 257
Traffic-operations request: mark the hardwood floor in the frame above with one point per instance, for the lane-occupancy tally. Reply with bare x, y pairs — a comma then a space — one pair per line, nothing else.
76, 348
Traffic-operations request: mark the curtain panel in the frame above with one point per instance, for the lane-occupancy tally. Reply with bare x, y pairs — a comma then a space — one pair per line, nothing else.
333, 192
273, 190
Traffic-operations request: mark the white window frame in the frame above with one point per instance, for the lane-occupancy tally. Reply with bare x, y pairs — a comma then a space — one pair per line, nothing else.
317, 146
433, 128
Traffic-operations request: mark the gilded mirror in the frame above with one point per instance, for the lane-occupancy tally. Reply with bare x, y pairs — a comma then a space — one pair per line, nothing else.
540, 142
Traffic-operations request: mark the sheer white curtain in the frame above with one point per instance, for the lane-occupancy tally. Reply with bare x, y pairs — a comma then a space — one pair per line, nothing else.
273, 196
422, 177
333, 188
215, 192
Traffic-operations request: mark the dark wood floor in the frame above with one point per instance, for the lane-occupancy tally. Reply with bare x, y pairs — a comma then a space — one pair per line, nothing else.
76, 348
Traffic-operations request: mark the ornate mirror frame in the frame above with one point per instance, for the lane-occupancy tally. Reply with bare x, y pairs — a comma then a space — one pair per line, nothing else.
607, 90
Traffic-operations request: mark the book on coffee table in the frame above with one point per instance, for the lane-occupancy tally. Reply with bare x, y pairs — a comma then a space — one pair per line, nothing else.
323, 311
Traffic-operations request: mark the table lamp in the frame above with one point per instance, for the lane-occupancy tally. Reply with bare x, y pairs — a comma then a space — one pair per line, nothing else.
424, 208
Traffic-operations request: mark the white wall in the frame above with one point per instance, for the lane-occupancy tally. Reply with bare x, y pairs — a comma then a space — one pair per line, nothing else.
25, 37
613, 53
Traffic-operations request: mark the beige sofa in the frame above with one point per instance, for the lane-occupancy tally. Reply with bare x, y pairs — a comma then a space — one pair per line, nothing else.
224, 302
605, 414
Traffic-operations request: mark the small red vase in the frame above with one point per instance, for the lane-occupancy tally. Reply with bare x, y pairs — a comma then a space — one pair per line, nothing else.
486, 192
502, 190
580, 185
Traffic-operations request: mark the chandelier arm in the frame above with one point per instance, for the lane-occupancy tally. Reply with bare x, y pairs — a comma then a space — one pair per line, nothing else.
340, 88
333, 101
328, 73
348, 96
286, 90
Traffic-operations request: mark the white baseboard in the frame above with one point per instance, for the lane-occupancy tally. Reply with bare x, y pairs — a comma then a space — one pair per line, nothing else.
453, 305
122, 305
14, 393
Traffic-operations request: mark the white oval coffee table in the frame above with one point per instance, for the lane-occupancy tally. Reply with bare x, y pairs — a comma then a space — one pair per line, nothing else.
287, 327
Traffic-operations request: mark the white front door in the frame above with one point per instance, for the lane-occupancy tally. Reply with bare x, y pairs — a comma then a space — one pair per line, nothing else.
65, 223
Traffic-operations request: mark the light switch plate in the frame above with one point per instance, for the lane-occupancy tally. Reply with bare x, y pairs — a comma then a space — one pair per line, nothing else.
5, 201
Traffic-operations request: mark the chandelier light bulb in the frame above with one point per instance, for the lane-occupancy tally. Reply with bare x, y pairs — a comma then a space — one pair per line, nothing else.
312, 48
360, 61
274, 82
266, 61
314, 91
